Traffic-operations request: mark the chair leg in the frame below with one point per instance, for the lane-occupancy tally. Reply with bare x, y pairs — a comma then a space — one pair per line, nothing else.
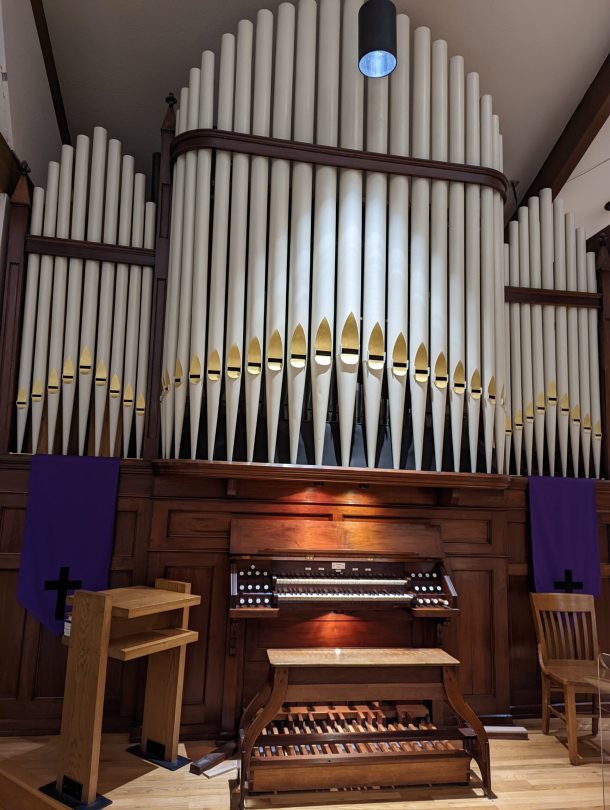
595, 715
546, 699
572, 729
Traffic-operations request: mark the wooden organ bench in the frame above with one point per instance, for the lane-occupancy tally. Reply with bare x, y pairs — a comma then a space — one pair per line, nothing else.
367, 736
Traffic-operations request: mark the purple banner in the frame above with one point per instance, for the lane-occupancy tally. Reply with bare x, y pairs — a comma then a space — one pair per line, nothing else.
565, 541
69, 532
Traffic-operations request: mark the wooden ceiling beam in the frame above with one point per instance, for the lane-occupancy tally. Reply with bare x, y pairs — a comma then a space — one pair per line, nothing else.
587, 120
51, 70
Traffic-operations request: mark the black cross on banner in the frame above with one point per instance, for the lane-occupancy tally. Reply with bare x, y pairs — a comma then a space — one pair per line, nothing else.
569, 585
62, 585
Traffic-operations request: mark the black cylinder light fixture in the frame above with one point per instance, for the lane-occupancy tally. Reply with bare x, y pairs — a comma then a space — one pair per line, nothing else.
377, 38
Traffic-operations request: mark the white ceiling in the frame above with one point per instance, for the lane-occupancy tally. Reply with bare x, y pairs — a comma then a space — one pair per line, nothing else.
117, 60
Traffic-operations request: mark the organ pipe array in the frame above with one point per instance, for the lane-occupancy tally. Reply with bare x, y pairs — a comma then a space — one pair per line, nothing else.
319, 311
87, 321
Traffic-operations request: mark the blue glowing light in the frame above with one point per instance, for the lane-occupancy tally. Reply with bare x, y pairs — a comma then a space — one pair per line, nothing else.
376, 64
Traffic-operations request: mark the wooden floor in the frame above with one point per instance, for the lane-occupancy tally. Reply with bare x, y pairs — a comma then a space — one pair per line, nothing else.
529, 775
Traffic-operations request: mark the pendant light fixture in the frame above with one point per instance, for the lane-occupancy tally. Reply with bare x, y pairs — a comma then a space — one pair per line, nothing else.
377, 38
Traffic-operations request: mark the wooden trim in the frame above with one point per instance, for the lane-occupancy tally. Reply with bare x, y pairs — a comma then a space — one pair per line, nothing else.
10, 168
603, 282
51, 70
338, 158
150, 447
587, 120
73, 249
556, 298
329, 475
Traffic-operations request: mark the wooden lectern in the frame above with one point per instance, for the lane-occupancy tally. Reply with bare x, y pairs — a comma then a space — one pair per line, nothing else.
125, 624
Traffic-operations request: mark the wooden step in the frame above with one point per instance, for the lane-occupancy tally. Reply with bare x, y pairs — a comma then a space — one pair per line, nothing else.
152, 641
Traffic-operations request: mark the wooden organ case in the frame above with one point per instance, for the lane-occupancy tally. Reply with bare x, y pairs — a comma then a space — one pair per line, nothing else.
316, 607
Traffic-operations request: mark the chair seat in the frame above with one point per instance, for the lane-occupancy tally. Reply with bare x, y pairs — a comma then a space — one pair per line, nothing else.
575, 673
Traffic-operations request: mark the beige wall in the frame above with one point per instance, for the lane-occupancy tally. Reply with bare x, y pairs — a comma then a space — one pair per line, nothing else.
30, 119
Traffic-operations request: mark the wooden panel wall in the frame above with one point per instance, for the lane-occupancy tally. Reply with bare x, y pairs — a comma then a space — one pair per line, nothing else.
174, 521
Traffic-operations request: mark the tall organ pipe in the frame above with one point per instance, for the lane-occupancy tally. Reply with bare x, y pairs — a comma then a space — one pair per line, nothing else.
144, 338
172, 313
548, 324
596, 419
583, 353
200, 251
257, 243
537, 334
218, 267
515, 347
487, 285
375, 226
500, 352
573, 370
29, 320
114, 181
561, 333
325, 220
91, 282
398, 244
473, 268
300, 225
457, 325
526, 339
507, 360
135, 213
75, 286
420, 243
180, 362
438, 250
60, 277
41, 344
236, 296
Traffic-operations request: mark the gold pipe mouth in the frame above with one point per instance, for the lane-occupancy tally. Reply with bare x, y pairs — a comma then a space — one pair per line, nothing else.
323, 344
254, 360
195, 370
214, 366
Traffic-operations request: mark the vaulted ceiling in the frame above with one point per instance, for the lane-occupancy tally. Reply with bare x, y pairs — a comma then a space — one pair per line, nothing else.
117, 60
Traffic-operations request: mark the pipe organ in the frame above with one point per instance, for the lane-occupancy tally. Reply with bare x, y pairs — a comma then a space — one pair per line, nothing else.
338, 289
86, 321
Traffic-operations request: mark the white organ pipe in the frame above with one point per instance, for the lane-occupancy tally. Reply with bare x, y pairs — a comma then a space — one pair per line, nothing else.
561, 333
438, 250
573, 371
473, 268
515, 347
325, 219
200, 250
548, 324
420, 243
144, 331
181, 361
300, 230
75, 286
172, 313
218, 267
537, 333
500, 332
457, 325
133, 318
114, 181
277, 281
526, 340
41, 344
374, 292
60, 278
398, 244
257, 241
91, 283
238, 234
507, 359
29, 320
487, 285
583, 352
596, 417
135, 215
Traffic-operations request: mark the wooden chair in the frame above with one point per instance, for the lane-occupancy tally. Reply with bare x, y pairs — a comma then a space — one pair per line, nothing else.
567, 652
